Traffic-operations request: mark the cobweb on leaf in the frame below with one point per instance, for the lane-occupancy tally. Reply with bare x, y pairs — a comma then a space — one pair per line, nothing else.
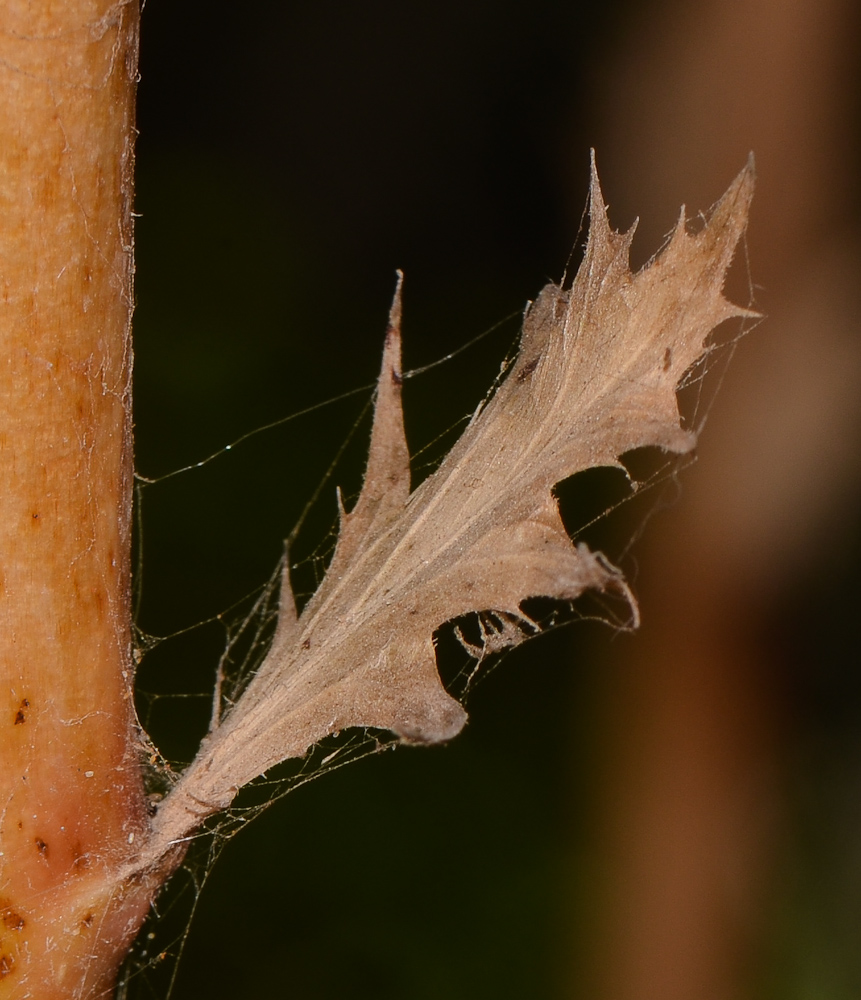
467, 648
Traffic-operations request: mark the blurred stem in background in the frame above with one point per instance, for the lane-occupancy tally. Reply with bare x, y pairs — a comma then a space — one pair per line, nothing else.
696, 722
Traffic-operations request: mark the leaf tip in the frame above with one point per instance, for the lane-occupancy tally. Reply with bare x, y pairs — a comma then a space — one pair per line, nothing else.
728, 218
392, 350
387, 474
740, 192
395, 310
599, 223
603, 241
287, 600
287, 613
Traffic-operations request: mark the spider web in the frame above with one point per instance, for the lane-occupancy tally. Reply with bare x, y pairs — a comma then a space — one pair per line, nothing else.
468, 649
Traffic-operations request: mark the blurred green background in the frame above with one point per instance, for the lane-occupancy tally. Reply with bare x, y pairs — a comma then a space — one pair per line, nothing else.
291, 157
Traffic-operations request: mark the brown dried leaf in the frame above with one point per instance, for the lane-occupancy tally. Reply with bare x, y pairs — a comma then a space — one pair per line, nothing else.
595, 377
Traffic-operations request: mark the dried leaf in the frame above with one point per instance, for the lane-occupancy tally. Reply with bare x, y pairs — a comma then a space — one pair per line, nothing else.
595, 377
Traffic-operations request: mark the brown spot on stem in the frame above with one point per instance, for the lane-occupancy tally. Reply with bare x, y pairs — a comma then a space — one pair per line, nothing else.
80, 859
14, 921
527, 369
88, 920
668, 359
41, 847
6, 964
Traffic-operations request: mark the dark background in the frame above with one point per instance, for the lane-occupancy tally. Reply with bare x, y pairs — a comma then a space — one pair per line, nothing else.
291, 157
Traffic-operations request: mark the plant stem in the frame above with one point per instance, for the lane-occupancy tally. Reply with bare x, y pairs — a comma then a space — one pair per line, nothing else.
71, 795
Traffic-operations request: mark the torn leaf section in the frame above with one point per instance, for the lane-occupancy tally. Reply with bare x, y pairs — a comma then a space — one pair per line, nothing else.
596, 377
